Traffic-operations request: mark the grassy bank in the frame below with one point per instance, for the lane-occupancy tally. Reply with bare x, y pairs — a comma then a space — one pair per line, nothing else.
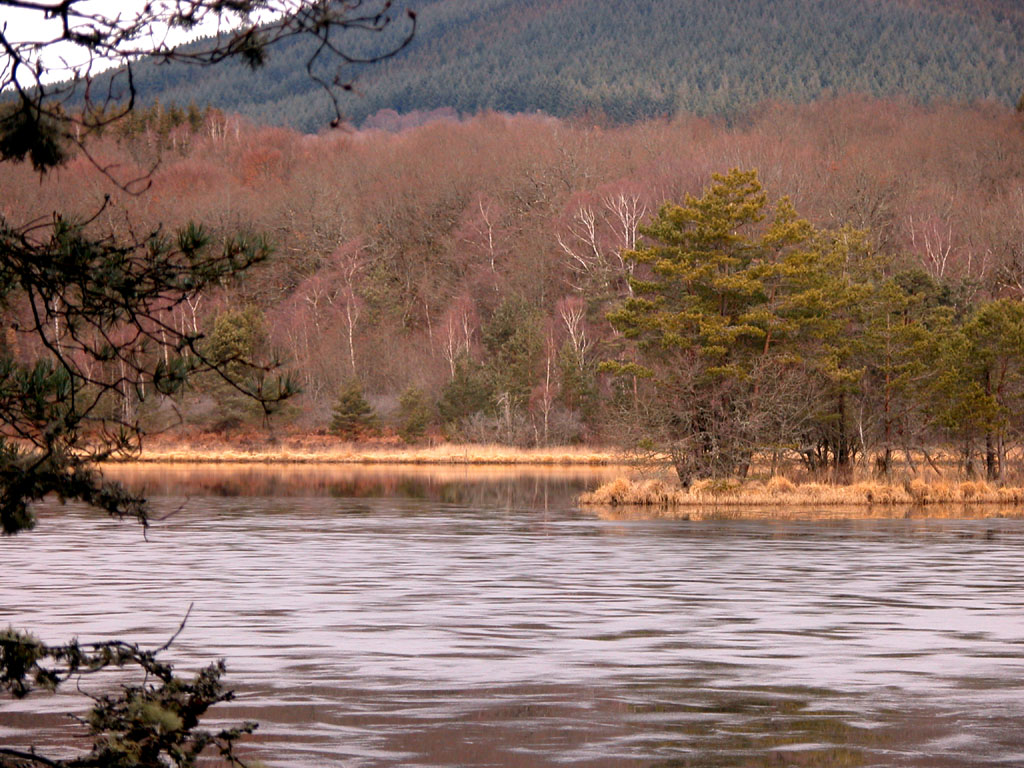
780, 492
314, 449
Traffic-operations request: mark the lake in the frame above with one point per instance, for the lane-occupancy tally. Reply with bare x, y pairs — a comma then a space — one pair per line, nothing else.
477, 617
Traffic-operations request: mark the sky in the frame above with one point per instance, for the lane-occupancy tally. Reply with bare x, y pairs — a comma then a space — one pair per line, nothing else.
63, 59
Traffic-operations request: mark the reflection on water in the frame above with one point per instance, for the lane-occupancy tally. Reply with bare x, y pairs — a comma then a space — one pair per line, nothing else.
959, 511
480, 486
431, 629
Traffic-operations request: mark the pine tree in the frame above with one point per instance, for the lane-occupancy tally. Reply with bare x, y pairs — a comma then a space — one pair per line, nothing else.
467, 393
414, 414
352, 413
733, 312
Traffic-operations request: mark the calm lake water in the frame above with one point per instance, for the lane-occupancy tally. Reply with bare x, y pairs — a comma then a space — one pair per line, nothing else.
477, 618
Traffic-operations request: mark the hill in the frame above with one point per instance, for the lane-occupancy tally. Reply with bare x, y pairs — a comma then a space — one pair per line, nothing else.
633, 59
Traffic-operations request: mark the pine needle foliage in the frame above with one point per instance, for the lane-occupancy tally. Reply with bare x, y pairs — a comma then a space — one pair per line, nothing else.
352, 414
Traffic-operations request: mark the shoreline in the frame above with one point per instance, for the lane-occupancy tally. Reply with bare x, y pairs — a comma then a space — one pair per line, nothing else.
615, 497
652, 496
327, 453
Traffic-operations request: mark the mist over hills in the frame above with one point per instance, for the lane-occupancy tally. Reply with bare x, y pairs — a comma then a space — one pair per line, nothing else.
629, 60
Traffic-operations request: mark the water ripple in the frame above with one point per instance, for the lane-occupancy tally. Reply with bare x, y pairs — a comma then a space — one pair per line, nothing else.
425, 633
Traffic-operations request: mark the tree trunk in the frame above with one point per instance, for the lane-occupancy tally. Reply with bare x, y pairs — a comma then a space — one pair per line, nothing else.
842, 443
991, 458
885, 467
969, 472
883, 464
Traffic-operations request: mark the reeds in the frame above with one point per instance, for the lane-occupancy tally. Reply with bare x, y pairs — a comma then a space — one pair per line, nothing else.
779, 491
332, 452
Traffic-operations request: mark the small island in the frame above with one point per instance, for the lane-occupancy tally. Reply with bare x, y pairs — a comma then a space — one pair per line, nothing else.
779, 496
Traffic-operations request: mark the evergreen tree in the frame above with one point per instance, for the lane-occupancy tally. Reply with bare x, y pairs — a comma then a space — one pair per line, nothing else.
414, 414
352, 414
979, 393
237, 346
902, 321
468, 392
728, 313
514, 344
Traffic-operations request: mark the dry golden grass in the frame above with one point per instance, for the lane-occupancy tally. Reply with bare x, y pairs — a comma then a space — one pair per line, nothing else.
780, 492
312, 479
333, 452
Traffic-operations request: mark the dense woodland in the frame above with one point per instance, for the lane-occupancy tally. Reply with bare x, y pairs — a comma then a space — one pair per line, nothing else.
626, 60
517, 279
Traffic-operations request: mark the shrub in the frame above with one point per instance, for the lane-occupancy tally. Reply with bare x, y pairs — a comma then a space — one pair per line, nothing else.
352, 413
414, 414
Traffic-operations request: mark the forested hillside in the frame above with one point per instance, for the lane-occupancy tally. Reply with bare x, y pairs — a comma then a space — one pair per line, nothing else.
470, 279
628, 60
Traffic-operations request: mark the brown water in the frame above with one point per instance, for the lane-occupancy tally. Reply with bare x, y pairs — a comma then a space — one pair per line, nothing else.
478, 619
